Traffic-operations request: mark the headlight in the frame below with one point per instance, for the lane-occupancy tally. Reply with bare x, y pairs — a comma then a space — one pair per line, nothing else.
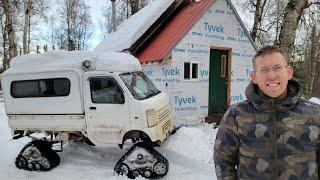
152, 118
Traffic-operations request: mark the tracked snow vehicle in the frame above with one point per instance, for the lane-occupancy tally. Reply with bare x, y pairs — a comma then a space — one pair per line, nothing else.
103, 99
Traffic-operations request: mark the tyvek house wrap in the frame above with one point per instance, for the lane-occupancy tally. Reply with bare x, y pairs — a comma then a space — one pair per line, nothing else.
218, 28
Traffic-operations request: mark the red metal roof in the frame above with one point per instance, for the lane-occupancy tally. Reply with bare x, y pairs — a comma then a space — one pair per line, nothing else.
161, 45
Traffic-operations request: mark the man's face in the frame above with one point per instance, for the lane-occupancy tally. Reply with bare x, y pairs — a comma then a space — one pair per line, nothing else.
272, 74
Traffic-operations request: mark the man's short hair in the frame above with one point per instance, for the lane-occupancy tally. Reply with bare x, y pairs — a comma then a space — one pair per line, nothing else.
266, 50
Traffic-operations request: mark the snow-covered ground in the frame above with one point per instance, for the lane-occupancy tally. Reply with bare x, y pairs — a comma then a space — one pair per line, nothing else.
315, 100
189, 151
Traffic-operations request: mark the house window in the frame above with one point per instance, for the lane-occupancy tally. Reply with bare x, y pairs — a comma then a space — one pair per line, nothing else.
191, 70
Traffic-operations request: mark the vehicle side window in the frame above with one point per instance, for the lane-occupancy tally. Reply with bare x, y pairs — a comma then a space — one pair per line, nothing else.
40, 88
106, 90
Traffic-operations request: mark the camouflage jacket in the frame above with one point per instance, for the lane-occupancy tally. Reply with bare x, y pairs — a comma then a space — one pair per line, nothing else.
265, 138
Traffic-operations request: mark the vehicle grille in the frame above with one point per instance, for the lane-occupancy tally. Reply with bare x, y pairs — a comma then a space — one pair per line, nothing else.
163, 113
166, 126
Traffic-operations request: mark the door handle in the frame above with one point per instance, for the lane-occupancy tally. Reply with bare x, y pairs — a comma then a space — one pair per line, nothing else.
92, 108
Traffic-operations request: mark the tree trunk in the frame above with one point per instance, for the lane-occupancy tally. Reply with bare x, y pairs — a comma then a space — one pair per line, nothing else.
276, 41
292, 15
316, 63
134, 4
113, 16
313, 54
26, 28
71, 15
3, 42
259, 6
9, 28
5, 62
316, 82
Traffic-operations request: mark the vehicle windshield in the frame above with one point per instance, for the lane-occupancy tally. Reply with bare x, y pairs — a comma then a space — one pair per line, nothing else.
139, 85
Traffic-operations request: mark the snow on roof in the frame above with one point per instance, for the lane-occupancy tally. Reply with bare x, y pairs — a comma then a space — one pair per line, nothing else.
59, 60
133, 28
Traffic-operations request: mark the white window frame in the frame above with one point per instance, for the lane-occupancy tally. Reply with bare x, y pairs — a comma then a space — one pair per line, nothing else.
190, 75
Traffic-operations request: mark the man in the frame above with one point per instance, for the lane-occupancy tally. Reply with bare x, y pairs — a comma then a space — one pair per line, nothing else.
274, 134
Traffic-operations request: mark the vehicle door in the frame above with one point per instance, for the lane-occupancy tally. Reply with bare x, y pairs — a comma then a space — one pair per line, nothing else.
106, 108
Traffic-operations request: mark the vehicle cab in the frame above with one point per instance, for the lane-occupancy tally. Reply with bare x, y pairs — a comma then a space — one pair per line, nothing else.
120, 103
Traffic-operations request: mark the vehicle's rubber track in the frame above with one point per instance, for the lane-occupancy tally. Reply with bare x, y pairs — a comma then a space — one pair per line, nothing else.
145, 167
37, 155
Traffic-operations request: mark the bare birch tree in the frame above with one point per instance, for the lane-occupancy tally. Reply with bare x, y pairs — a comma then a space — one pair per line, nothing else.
124, 9
26, 28
292, 16
8, 33
316, 81
70, 13
259, 6
76, 25
9, 28
32, 11
267, 17
134, 5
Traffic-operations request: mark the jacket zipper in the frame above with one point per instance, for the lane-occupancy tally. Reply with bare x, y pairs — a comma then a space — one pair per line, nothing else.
274, 119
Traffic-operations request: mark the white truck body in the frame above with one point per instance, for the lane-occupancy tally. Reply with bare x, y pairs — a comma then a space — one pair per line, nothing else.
78, 102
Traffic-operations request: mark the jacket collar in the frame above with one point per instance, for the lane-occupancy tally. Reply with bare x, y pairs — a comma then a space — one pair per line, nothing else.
264, 102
